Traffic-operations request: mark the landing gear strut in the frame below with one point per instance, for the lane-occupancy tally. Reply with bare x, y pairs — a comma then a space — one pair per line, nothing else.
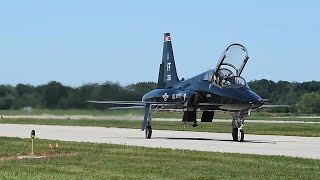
149, 110
148, 129
237, 127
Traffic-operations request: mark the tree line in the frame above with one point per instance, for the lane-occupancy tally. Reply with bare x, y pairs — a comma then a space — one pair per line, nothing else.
303, 96
58, 96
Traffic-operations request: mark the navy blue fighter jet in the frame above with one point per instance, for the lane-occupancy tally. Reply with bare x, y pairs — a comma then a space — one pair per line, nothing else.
219, 89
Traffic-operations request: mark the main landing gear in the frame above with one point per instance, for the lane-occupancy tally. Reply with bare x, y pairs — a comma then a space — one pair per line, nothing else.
149, 110
148, 129
237, 127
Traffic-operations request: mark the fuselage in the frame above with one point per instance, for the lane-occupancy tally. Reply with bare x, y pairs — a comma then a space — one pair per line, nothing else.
203, 94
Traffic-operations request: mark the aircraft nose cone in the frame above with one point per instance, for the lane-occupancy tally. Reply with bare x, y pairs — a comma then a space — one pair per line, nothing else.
260, 102
255, 100
257, 103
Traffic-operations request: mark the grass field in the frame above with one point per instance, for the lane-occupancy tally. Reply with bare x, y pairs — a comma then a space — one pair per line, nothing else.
105, 161
312, 130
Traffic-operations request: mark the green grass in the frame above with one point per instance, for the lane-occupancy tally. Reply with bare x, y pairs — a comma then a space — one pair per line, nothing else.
311, 130
105, 161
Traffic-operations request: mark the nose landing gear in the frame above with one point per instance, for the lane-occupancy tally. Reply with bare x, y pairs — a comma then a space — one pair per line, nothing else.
237, 127
237, 134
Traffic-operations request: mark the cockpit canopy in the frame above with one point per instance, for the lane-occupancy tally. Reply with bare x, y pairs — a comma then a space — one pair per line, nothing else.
234, 82
225, 81
229, 68
232, 60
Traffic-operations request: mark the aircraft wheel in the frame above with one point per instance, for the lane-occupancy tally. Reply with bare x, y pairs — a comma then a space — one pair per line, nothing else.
237, 135
148, 132
241, 135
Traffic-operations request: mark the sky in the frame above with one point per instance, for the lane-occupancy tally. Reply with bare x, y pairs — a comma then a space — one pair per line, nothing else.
77, 42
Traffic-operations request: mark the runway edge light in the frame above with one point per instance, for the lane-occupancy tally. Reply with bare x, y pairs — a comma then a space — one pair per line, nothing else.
33, 135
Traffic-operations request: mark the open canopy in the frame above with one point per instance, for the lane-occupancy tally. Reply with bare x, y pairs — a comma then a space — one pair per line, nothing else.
230, 67
232, 61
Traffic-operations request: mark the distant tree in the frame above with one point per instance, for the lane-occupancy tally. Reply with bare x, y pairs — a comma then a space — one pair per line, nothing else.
310, 103
84, 93
142, 87
8, 95
26, 96
263, 87
53, 93
136, 91
311, 86
24, 89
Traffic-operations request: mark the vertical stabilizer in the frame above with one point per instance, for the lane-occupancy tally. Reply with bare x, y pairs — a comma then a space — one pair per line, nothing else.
168, 77
161, 84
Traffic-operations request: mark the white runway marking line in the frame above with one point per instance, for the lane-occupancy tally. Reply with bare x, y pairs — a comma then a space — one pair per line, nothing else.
306, 147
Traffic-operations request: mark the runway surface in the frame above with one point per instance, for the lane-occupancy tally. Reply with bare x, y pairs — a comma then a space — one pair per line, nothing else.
307, 147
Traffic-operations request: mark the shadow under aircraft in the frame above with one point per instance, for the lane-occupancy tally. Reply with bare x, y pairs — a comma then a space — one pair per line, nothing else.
219, 89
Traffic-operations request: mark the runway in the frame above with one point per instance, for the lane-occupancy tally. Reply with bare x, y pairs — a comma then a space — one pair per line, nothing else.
306, 147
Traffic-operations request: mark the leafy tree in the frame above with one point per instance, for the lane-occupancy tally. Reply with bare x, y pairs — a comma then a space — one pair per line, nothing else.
8, 95
53, 93
263, 87
310, 103
24, 89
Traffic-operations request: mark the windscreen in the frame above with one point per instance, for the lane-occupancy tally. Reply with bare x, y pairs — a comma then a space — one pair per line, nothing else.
235, 82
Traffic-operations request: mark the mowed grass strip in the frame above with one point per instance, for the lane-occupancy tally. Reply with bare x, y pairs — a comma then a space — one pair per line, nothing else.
309, 130
105, 161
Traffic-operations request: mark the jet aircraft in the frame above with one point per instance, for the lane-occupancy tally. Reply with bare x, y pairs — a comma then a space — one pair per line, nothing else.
218, 89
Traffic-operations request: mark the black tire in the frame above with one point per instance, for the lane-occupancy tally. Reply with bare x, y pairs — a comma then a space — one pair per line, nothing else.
148, 132
235, 135
241, 138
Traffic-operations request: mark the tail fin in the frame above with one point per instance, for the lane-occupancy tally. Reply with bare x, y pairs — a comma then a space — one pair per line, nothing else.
168, 77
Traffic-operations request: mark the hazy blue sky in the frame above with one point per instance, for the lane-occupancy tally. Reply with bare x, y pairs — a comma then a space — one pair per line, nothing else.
77, 42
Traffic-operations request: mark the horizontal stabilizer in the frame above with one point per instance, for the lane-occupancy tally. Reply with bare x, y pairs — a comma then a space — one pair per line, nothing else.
128, 107
274, 106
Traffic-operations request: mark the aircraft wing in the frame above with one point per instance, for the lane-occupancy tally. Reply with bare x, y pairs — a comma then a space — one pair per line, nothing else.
136, 103
133, 103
